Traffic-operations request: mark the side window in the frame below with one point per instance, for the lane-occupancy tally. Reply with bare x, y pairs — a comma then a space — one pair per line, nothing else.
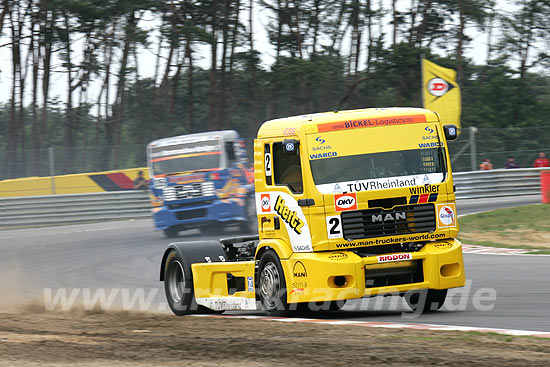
230, 153
287, 169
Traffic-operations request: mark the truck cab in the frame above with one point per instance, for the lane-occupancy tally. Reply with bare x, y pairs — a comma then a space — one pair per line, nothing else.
200, 181
349, 204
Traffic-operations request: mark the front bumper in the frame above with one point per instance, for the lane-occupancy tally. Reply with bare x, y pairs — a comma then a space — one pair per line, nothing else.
198, 212
339, 275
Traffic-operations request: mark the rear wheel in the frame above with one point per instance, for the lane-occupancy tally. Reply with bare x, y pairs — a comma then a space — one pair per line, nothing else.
271, 285
427, 300
171, 232
178, 284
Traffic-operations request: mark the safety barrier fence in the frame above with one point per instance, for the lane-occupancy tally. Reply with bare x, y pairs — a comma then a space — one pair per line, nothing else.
74, 208
498, 182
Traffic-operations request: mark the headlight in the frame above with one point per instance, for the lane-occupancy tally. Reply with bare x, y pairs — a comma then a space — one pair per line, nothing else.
159, 183
208, 188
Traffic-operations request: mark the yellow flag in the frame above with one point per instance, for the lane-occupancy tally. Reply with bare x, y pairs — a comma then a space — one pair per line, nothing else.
440, 92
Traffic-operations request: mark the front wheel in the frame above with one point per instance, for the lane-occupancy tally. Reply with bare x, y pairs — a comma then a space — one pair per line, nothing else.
171, 232
271, 285
427, 300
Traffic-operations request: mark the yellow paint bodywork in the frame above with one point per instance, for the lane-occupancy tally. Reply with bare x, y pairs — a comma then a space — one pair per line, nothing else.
210, 279
314, 279
441, 261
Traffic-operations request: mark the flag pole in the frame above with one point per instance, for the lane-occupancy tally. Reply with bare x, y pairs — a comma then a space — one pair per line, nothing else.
422, 80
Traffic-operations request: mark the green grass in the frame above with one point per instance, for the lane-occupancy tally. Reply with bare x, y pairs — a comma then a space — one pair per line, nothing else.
537, 249
507, 224
535, 217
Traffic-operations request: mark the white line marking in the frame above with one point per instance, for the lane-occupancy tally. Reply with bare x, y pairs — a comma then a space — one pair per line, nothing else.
395, 325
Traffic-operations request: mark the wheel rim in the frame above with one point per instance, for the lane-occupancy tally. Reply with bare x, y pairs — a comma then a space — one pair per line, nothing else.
270, 285
176, 281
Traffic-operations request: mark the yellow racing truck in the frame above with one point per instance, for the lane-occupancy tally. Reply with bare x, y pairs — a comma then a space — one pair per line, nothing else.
350, 204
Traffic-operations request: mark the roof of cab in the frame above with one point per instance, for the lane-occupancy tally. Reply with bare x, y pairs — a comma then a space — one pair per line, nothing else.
289, 126
182, 139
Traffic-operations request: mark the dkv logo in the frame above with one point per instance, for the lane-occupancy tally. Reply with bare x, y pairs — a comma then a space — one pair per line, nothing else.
266, 203
345, 202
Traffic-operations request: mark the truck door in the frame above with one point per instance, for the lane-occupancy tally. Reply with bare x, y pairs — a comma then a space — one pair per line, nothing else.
283, 205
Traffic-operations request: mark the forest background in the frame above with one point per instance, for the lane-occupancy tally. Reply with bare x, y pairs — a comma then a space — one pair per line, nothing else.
212, 70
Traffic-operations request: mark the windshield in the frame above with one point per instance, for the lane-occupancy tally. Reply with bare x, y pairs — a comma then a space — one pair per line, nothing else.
376, 158
378, 165
204, 155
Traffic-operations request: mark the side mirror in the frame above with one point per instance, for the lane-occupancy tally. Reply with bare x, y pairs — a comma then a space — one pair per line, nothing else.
290, 146
451, 132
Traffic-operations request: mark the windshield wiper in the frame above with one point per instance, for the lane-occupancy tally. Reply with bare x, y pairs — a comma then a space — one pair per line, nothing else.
190, 171
176, 173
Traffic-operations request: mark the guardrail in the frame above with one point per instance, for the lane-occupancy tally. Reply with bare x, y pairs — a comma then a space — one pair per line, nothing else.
498, 182
73, 208
77, 208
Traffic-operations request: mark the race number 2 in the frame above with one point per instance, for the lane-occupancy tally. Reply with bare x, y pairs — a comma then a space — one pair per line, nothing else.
267, 159
334, 227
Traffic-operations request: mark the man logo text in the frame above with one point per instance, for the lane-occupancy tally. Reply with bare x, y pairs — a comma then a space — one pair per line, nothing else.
389, 217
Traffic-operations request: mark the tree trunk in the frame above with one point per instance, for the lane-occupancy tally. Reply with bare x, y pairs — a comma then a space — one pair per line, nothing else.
337, 33
11, 139
70, 130
105, 162
191, 110
120, 99
395, 22
460, 41
46, 43
255, 92
35, 51
212, 122
369, 36
5, 11
221, 115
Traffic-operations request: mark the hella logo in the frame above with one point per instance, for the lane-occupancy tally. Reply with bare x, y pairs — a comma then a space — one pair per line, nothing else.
345, 202
389, 217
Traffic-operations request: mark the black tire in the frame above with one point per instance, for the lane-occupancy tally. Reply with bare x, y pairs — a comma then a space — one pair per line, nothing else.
428, 300
171, 232
213, 229
178, 285
251, 223
271, 285
337, 305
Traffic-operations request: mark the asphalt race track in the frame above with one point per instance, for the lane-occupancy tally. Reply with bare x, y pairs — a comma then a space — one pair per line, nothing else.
125, 255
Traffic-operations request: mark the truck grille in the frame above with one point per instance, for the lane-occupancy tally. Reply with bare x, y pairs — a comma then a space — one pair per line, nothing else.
191, 214
380, 275
194, 190
400, 220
